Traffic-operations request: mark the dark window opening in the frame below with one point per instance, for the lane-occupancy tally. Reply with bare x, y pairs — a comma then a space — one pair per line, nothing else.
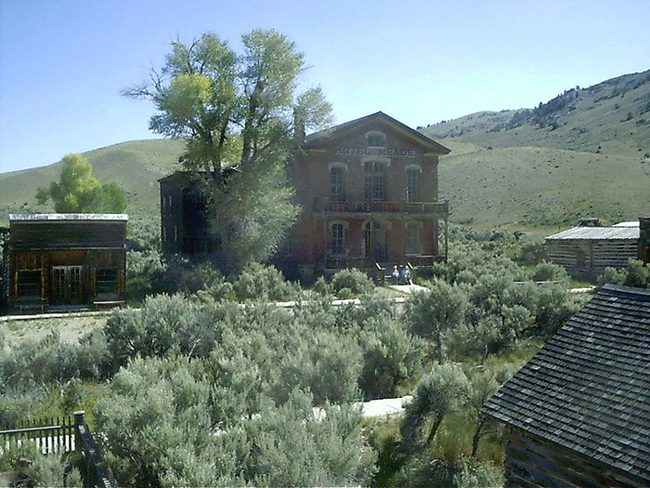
29, 284
106, 281
375, 140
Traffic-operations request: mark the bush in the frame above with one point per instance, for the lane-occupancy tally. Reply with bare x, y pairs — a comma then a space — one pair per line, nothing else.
532, 250
357, 282
258, 282
392, 357
545, 271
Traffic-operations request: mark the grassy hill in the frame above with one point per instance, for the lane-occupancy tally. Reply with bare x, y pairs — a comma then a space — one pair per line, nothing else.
586, 153
136, 166
541, 185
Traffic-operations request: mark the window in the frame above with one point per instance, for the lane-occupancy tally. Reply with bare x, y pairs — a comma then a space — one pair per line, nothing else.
337, 188
106, 280
29, 284
375, 172
412, 184
338, 239
375, 139
412, 238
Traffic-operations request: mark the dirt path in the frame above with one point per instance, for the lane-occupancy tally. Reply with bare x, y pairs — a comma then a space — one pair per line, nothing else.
71, 327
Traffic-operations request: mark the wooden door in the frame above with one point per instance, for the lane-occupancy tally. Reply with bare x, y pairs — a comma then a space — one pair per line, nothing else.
66, 285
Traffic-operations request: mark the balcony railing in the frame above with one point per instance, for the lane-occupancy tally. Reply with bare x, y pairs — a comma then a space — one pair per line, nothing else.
403, 207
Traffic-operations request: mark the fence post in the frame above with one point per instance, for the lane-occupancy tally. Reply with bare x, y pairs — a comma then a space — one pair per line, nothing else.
79, 421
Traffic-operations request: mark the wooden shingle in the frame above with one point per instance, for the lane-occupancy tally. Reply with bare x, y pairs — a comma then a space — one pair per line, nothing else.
587, 391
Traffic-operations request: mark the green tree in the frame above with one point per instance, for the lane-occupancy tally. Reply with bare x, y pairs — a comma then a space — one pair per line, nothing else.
432, 312
240, 114
438, 392
78, 191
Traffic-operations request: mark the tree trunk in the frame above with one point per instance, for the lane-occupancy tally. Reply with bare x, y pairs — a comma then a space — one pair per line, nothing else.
478, 433
434, 428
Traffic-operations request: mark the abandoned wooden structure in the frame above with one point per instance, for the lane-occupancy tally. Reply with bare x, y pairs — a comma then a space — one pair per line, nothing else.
589, 250
62, 261
368, 190
184, 218
578, 413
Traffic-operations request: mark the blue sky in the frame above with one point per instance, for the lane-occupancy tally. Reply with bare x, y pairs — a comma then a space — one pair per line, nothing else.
64, 62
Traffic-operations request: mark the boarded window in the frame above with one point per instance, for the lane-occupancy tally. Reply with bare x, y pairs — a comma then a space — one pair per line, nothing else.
412, 238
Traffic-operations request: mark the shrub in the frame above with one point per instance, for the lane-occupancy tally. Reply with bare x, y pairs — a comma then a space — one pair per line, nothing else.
392, 356
356, 281
259, 282
545, 271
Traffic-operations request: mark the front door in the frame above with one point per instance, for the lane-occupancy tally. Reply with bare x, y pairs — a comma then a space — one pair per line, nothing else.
375, 242
66, 285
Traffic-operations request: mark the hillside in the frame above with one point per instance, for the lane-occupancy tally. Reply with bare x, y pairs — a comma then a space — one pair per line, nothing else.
136, 166
612, 117
542, 186
586, 153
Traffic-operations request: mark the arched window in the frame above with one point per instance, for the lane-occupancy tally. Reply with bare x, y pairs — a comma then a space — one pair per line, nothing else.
413, 183
375, 139
337, 182
375, 173
338, 238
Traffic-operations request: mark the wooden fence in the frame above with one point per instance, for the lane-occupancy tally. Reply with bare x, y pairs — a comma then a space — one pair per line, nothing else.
64, 435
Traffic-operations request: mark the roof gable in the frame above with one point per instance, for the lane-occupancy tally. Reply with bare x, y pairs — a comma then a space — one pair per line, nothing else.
373, 122
588, 388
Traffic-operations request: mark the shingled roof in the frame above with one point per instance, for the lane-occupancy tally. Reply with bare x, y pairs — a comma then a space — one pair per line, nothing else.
588, 388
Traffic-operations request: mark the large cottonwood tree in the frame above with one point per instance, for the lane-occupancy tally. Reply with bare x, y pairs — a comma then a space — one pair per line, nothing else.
240, 114
78, 191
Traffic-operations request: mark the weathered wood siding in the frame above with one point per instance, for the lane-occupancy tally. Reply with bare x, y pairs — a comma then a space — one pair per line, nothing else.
534, 463
64, 234
43, 249
591, 255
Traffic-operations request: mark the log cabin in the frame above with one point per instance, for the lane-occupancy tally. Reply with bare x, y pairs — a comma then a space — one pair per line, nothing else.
578, 413
368, 190
65, 261
587, 251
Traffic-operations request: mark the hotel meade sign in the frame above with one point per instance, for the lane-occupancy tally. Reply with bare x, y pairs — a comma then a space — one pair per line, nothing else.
374, 151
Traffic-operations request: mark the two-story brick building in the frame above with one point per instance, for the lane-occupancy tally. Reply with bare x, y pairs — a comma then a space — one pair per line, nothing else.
369, 196
368, 190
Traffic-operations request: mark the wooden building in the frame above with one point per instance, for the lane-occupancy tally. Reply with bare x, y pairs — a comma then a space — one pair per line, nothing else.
368, 190
369, 193
589, 250
184, 218
62, 261
578, 413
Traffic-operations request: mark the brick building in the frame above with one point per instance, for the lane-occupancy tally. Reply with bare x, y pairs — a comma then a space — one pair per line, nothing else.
369, 193
368, 190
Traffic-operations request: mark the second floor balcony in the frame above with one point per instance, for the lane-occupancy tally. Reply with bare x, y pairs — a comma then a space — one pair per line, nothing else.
386, 209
